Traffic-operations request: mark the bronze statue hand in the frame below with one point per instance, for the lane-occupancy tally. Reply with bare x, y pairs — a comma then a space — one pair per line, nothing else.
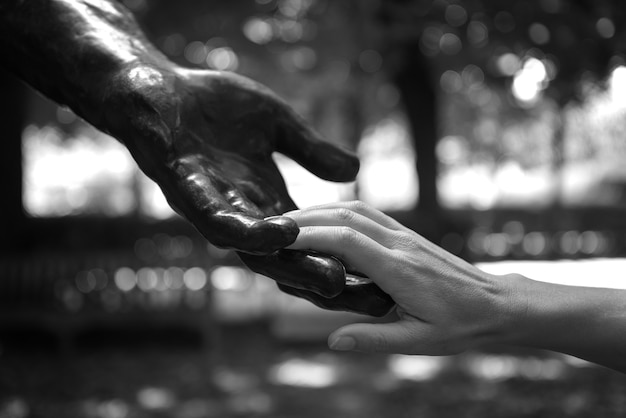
205, 137
358, 294
297, 273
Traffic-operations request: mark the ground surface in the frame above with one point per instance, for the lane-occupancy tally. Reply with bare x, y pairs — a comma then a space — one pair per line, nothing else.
247, 373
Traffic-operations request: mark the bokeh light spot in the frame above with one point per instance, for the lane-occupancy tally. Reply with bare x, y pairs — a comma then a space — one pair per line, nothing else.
174, 44
196, 52
147, 279
508, 64
450, 44
195, 279
230, 278
223, 59
605, 27
258, 31
125, 279
415, 368
85, 281
370, 61
451, 81
303, 373
539, 33
429, 41
530, 81
455, 15
478, 34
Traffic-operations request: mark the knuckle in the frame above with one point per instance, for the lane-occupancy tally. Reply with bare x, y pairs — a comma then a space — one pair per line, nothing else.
403, 240
345, 215
305, 234
358, 206
398, 259
347, 235
378, 342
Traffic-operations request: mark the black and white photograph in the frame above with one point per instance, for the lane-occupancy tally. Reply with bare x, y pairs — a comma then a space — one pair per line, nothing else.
313, 208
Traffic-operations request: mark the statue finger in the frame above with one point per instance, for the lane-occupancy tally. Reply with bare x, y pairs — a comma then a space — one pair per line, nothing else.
224, 215
358, 296
321, 275
301, 143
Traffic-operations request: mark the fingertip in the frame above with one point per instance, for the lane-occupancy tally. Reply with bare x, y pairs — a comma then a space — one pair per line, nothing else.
288, 213
341, 342
306, 271
371, 338
262, 236
282, 221
324, 159
353, 165
281, 230
341, 166
295, 216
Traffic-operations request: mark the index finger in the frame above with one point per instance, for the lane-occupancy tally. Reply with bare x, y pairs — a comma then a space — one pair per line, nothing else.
316, 273
356, 249
355, 206
365, 299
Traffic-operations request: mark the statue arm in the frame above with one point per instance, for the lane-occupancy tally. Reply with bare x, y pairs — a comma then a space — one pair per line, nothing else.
69, 49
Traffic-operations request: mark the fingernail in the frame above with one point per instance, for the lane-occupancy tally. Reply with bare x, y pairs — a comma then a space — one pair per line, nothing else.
342, 344
279, 220
287, 227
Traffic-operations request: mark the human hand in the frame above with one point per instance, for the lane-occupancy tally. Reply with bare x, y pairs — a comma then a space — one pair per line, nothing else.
207, 139
444, 304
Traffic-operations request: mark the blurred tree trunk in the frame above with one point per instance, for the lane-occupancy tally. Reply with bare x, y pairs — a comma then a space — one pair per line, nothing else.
12, 119
418, 94
558, 156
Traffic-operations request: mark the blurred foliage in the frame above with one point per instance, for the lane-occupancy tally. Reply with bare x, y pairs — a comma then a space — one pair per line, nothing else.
577, 40
473, 83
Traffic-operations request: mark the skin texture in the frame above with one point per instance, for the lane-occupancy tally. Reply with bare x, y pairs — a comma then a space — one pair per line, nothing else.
205, 137
446, 306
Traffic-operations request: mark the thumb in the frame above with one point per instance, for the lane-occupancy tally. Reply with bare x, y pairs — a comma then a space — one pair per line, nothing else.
302, 144
395, 337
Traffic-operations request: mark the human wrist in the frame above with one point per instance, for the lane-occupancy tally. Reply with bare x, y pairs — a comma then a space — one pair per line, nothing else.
541, 313
586, 322
508, 314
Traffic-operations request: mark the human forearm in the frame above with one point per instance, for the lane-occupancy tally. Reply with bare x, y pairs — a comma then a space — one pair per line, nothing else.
69, 49
589, 323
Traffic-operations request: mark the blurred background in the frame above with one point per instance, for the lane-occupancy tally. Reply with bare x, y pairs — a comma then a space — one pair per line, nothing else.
496, 129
